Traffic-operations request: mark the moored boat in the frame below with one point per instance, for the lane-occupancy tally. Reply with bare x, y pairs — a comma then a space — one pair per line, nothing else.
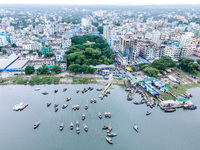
37, 89
61, 126
48, 104
86, 106
109, 140
65, 89
56, 109
45, 93
190, 107
83, 117
109, 114
68, 99
77, 124
99, 115
136, 128
111, 134
36, 125
106, 114
77, 90
94, 100
99, 89
56, 105
77, 130
109, 129
85, 127
71, 126
20, 106
56, 91
104, 127
170, 109
64, 106
91, 101
148, 112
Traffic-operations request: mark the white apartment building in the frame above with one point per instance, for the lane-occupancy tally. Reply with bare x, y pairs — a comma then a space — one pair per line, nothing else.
156, 37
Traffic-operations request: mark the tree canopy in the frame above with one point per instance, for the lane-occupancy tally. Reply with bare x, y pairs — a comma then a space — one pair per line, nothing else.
43, 70
29, 70
56, 69
198, 61
83, 53
163, 63
187, 64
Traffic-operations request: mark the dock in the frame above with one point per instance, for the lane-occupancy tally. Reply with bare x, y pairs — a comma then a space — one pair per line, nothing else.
106, 86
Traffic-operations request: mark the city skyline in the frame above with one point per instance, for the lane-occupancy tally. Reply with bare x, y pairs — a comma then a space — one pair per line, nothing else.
102, 2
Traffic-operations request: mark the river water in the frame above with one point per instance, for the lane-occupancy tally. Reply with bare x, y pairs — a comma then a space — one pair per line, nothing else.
159, 131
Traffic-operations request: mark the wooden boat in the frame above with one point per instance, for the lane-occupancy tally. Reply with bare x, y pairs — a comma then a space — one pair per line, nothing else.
71, 126
77, 130
61, 126
148, 113
188, 95
109, 140
106, 114
56, 91
64, 106
137, 103
91, 101
190, 107
136, 128
77, 91
109, 129
170, 109
37, 89
77, 124
45, 93
111, 134
36, 125
56, 105
86, 106
91, 88
56, 109
48, 104
99, 115
109, 115
105, 127
85, 127
65, 89
83, 117
99, 89
94, 100
68, 99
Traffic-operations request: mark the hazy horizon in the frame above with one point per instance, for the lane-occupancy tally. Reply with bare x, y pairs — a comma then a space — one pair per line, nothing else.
102, 2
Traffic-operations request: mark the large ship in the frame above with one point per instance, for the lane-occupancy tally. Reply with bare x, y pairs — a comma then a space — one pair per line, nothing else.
20, 106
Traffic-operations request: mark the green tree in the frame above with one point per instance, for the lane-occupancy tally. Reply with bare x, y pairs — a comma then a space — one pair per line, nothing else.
100, 29
133, 68
49, 55
187, 64
14, 45
56, 69
96, 24
198, 61
29, 70
4, 51
43, 70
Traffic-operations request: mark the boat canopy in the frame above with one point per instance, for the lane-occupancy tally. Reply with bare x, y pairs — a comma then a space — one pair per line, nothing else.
183, 99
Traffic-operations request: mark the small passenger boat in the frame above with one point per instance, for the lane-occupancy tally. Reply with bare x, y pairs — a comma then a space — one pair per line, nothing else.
109, 140
56, 109
71, 126
86, 106
106, 114
109, 129
170, 109
99, 89
137, 103
68, 99
94, 100
85, 127
65, 89
61, 126
77, 90
48, 104
36, 125
64, 106
77, 124
77, 130
148, 113
109, 115
83, 117
56, 91
190, 107
37, 89
111, 134
45, 93
105, 127
91, 101
99, 115
56, 105
136, 127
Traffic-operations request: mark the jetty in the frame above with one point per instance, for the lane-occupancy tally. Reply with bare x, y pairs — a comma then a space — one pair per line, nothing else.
106, 86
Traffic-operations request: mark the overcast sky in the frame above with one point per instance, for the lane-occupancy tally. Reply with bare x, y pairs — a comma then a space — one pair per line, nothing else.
88, 2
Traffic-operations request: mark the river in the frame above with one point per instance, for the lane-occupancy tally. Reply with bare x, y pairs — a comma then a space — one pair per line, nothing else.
179, 130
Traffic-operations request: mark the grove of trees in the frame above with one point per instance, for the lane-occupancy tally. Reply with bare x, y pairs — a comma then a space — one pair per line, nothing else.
29, 70
187, 64
83, 54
